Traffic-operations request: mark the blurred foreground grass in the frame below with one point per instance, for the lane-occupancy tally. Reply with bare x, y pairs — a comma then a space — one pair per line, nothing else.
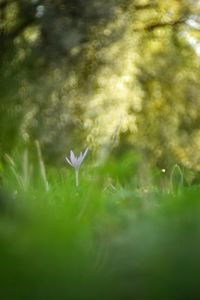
110, 238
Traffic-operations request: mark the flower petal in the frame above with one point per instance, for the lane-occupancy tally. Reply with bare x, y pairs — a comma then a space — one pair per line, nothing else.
73, 159
84, 154
69, 162
80, 159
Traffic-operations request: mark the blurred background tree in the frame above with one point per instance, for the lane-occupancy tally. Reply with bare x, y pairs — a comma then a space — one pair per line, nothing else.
106, 74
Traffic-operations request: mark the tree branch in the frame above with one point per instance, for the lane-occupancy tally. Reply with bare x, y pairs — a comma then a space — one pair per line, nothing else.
145, 6
164, 24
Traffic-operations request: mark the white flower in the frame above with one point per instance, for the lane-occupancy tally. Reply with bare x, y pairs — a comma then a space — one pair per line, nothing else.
76, 162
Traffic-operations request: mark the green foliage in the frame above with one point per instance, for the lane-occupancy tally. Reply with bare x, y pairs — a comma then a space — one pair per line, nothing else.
92, 242
122, 169
106, 74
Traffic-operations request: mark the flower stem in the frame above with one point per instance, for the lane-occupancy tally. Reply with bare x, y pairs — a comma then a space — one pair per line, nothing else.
77, 177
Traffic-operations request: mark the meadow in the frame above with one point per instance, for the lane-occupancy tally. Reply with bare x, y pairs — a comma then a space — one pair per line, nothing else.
112, 237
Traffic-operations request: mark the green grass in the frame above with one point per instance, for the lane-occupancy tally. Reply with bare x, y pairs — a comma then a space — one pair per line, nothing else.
110, 238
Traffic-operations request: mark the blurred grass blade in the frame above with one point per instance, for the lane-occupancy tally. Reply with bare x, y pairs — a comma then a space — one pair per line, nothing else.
42, 166
12, 166
176, 179
26, 178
